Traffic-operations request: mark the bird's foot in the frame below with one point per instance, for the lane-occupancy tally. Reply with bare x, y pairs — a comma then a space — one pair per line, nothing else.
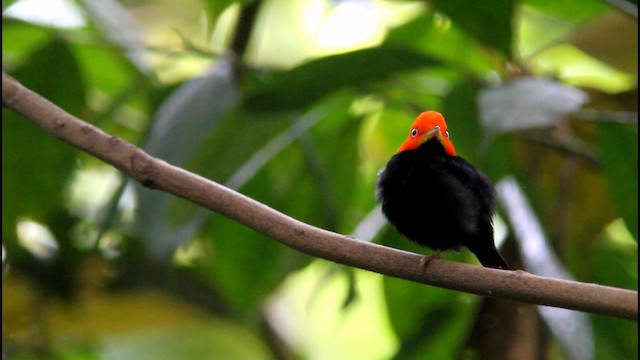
426, 259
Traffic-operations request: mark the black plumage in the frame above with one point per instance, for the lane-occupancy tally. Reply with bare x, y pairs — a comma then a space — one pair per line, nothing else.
440, 201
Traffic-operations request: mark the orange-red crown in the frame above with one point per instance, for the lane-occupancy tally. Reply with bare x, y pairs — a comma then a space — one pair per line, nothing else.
427, 125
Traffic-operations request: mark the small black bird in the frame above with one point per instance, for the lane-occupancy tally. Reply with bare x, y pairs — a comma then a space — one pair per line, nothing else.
436, 198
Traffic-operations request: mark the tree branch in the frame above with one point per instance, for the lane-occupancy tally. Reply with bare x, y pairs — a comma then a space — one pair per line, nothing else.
157, 174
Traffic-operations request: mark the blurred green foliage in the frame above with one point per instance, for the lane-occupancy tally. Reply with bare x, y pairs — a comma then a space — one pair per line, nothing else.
304, 128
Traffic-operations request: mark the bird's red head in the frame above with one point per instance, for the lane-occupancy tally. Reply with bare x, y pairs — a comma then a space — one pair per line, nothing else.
429, 124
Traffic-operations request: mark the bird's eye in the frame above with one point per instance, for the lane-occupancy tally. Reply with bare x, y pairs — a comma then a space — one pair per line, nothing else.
447, 134
437, 127
414, 132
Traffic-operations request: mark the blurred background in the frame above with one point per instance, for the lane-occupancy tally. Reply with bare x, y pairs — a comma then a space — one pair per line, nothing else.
299, 104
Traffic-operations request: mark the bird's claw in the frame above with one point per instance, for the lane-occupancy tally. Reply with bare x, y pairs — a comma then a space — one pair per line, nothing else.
426, 259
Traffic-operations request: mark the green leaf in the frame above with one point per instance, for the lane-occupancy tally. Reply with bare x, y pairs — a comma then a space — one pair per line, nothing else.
117, 25
19, 39
615, 264
190, 113
472, 141
528, 102
595, 40
36, 166
180, 125
7, 3
340, 166
248, 266
313, 80
619, 154
105, 68
233, 143
429, 34
213, 9
214, 339
488, 21
573, 11
460, 110
427, 319
434, 321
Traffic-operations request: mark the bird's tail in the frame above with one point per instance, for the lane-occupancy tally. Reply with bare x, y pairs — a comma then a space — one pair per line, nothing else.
490, 257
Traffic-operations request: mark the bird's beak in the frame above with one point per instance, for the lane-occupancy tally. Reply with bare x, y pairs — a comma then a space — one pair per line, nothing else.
442, 137
414, 142
435, 132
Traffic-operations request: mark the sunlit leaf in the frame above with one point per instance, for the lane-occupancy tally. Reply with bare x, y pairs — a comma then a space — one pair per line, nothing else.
573, 11
595, 39
489, 22
214, 8
443, 40
577, 68
7, 3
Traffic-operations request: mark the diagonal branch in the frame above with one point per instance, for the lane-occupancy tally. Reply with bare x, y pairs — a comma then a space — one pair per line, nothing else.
157, 174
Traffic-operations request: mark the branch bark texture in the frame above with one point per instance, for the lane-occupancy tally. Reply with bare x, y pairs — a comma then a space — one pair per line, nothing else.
158, 174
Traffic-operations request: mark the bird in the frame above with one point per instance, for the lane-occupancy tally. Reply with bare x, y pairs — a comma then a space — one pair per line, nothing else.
436, 198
